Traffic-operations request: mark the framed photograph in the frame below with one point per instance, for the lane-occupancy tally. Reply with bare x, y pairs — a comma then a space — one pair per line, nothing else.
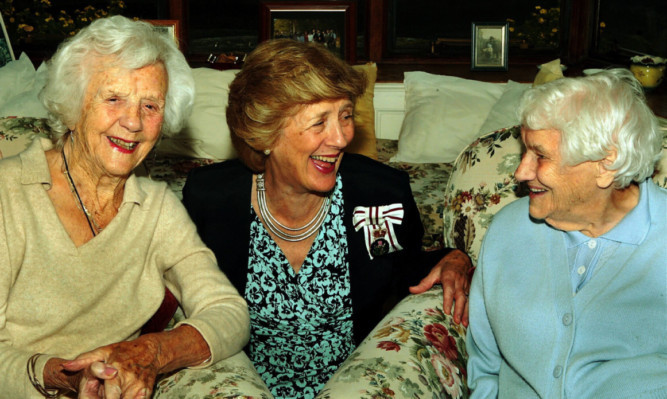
170, 26
329, 23
489, 46
6, 52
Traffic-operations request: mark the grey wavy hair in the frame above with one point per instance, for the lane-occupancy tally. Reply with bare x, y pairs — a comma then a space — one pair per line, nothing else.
132, 44
596, 115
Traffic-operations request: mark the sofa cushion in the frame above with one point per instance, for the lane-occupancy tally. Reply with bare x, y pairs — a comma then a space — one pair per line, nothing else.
481, 183
19, 86
17, 133
443, 114
416, 351
205, 134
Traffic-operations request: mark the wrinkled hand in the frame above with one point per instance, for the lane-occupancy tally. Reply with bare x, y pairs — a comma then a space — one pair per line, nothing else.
452, 273
124, 369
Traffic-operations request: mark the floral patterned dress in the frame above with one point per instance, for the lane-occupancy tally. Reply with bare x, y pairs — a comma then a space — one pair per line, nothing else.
301, 323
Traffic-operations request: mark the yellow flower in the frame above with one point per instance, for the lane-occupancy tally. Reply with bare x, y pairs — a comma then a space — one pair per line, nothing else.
28, 28
603, 25
540, 20
511, 29
48, 19
554, 30
47, 2
537, 7
543, 11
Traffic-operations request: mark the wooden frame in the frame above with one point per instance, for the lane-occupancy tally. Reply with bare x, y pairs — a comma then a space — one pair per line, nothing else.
293, 18
171, 27
6, 52
490, 42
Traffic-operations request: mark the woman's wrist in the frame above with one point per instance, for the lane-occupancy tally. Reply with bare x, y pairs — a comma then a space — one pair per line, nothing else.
54, 376
181, 347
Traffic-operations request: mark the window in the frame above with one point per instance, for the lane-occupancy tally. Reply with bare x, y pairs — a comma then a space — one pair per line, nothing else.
624, 30
436, 28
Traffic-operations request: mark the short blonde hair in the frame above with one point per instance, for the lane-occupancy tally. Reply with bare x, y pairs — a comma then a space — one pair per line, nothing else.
277, 79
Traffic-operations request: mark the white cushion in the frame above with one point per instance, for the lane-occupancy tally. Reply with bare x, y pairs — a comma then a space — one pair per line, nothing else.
206, 134
19, 86
503, 113
443, 114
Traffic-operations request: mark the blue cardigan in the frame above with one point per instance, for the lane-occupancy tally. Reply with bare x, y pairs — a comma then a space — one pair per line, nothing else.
530, 337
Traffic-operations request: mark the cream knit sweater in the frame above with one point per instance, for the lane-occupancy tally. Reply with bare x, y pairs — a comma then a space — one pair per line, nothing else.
61, 300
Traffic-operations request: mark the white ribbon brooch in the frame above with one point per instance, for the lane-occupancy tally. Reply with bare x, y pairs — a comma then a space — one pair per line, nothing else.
377, 222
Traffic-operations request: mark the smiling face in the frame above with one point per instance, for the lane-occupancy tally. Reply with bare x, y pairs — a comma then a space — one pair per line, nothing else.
307, 154
559, 194
121, 118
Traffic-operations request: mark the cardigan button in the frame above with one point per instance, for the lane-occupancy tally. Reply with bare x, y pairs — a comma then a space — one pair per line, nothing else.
567, 319
558, 371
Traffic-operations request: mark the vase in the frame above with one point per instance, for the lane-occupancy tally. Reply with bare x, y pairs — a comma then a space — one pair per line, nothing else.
649, 75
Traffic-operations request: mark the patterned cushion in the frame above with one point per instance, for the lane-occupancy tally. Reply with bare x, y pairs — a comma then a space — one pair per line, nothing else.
481, 183
417, 351
17, 133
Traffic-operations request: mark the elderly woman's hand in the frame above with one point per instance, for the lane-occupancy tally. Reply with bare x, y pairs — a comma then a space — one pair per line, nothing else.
137, 362
452, 272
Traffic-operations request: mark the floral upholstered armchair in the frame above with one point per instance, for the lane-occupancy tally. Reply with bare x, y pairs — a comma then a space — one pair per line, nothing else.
417, 351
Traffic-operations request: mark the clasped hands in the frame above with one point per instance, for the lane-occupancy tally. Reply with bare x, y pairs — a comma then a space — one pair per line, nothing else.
120, 370
127, 369
452, 272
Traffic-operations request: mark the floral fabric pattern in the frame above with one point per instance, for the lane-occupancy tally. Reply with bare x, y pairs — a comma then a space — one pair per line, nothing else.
301, 323
428, 182
416, 351
481, 183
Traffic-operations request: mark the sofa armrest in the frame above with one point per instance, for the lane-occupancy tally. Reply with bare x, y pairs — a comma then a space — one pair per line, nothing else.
234, 377
415, 351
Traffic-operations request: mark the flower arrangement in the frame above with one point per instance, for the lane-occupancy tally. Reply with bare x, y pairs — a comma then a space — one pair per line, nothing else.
29, 20
540, 30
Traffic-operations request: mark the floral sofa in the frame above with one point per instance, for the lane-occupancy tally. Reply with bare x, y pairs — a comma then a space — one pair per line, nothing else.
416, 351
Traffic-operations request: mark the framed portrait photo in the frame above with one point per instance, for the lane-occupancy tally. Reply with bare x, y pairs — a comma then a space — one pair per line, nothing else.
329, 23
6, 52
489, 46
172, 27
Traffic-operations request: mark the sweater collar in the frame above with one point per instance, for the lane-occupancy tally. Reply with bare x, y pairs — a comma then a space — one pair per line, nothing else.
35, 170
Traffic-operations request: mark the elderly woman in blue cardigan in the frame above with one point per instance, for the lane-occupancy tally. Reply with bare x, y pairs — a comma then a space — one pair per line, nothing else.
580, 310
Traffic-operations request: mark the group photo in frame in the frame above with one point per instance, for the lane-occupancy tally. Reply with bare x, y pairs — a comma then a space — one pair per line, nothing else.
329, 23
6, 52
490, 42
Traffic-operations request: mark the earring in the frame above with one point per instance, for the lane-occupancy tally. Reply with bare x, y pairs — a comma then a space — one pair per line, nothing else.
267, 152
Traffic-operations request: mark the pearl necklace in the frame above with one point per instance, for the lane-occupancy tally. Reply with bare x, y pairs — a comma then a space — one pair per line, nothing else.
280, 230
79, 203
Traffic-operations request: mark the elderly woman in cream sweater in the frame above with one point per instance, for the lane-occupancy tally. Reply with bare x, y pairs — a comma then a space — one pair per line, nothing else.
87, 248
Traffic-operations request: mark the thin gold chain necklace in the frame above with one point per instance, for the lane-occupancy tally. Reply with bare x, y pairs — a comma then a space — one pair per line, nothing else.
89, 218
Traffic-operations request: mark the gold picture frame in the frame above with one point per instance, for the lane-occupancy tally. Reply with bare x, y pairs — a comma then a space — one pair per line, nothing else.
170, 26
490, 43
